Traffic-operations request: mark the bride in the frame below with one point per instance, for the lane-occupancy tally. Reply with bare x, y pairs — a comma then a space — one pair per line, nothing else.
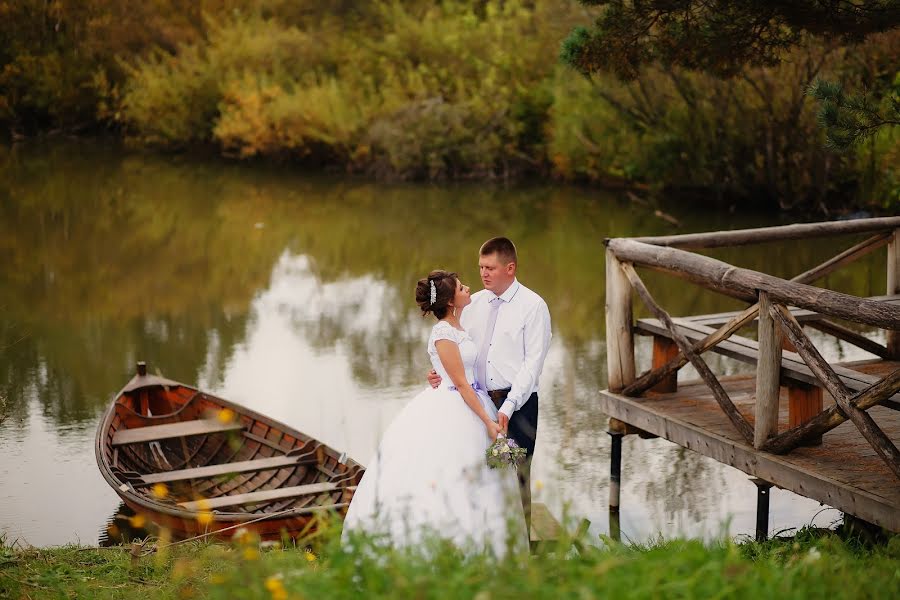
429, 476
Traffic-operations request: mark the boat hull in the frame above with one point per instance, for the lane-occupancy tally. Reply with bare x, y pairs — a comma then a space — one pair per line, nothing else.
196, 464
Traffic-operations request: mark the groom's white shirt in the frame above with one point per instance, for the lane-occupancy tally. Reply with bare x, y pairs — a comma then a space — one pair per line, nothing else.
520, 342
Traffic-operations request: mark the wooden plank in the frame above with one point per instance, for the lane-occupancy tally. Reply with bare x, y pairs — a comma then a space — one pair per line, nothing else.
544, 527
246, 466
154, 433
619, 318
658, 374
651, 415
747, 350
258, 497
745, 284
801, 314
768, 374
743, 237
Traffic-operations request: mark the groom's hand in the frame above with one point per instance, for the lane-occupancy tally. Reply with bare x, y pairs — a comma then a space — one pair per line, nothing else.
503, 420
434, 379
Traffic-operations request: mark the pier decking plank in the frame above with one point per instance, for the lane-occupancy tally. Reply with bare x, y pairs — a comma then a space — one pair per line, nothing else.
843, 472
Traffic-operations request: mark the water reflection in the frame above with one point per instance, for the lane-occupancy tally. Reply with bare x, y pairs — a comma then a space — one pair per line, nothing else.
293, 295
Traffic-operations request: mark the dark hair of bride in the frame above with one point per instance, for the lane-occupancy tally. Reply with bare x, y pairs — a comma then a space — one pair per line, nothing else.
445, 290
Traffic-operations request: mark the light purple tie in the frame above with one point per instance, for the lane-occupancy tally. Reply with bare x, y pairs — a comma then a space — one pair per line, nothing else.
481, 361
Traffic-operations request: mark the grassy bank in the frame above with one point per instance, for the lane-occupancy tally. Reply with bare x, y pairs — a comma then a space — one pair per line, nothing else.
812, 565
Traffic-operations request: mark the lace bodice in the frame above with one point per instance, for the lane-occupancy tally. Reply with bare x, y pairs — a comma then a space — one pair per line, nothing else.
444, 331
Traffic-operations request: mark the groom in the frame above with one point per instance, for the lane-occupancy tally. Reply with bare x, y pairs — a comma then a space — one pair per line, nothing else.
510, 326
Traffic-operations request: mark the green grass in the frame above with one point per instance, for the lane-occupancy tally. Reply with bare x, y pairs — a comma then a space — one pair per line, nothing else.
810, 565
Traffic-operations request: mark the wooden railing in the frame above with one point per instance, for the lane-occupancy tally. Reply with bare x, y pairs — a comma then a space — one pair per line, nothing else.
771, 298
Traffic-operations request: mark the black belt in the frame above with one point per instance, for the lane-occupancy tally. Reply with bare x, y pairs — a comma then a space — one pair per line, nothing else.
498, 396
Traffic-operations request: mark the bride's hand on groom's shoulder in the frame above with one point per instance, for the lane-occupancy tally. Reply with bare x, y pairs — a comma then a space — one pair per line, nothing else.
434, 379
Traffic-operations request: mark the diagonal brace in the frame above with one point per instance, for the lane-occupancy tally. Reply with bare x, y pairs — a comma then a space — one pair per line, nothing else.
842, 395
721, 396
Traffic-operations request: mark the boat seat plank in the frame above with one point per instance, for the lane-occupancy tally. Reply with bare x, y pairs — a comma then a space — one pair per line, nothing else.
246, 466
257, 497
747, 350
153, 433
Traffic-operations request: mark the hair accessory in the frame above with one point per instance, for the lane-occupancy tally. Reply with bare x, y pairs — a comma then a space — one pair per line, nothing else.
433, 292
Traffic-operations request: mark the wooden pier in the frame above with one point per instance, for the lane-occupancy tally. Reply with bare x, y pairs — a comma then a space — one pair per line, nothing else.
825, 431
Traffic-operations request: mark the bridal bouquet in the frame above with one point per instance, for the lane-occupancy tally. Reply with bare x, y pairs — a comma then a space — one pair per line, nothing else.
505, 452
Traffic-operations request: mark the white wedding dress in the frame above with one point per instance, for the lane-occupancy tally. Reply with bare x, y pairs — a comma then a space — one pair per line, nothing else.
429, 476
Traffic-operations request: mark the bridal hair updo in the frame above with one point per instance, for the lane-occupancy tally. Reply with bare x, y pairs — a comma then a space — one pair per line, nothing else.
445, 288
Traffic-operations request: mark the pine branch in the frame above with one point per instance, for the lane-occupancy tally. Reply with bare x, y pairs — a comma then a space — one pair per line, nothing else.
849, 119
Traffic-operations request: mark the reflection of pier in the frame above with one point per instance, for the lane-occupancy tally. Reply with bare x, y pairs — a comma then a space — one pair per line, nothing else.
825, 431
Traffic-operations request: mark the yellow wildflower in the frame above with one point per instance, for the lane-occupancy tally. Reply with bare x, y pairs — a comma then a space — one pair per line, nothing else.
204, 517
217, 578
251, 553
310, 556
160, 490
274, 583
538, 485
226, 415
137, 521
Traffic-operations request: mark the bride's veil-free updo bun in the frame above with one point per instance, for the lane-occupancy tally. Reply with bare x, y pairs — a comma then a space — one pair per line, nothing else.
445, 286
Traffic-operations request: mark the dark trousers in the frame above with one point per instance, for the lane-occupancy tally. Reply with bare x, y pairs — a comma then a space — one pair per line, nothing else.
523, 429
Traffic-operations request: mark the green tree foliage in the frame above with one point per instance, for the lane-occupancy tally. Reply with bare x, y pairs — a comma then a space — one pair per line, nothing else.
414, 89
719, 36
850, 118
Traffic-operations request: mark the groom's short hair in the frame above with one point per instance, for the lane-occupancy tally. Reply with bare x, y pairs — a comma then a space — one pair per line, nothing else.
505, 249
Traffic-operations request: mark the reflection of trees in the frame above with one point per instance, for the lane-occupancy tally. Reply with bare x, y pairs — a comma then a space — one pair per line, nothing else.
109, 257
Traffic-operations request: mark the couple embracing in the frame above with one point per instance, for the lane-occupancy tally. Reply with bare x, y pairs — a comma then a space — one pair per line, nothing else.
429, 476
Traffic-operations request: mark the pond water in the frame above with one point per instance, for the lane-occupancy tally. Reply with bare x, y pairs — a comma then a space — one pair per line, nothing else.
293, 295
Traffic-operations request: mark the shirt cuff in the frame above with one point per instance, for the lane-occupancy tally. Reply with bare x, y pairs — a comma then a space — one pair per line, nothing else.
508, 408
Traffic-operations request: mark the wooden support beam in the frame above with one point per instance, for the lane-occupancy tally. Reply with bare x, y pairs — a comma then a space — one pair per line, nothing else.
743, 237
850, 336
664, 350
805, 402
721, 396
660, 373
893, 287
744, 283
842, 396
768, 385
619, 319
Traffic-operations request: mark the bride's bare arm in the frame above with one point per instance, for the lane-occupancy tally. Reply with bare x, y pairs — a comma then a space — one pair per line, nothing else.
448, 352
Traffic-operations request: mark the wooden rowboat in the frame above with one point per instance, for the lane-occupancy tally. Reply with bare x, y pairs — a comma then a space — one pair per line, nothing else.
194, 463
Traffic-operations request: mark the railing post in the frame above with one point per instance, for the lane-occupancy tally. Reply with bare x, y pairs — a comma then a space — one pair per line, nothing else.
893, 287
619, 335
767, 374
